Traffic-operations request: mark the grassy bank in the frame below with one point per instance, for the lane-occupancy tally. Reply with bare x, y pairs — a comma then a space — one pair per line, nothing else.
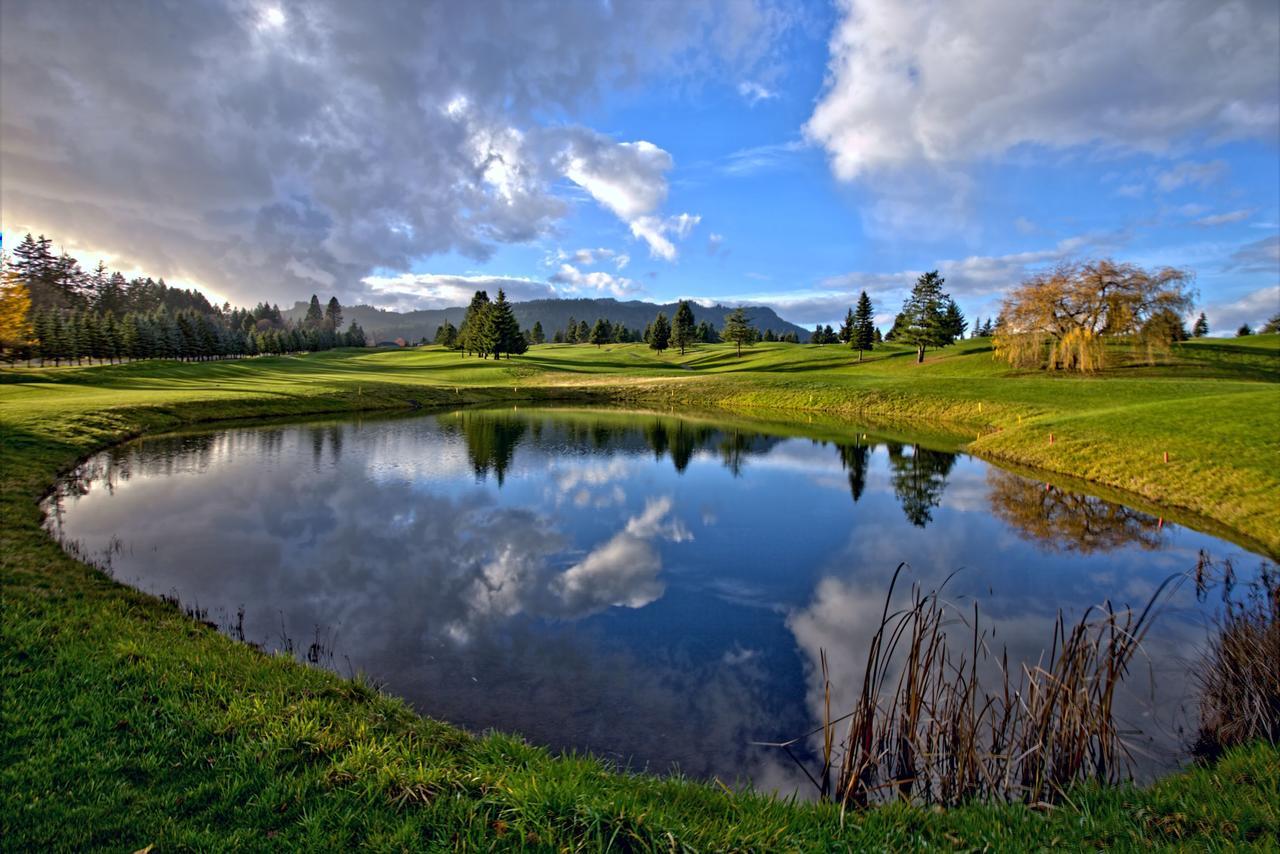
1213, 407
126, 723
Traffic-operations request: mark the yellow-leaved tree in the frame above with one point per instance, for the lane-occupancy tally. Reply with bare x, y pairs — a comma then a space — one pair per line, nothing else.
15, 310
1062, 319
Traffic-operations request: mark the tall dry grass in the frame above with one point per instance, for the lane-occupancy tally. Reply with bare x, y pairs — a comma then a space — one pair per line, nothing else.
1239, 674
923, 728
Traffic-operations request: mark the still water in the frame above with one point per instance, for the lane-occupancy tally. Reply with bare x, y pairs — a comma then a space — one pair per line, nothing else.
653, 589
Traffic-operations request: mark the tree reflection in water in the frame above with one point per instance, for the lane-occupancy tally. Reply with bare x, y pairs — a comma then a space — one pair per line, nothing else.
919, 479
1067, 521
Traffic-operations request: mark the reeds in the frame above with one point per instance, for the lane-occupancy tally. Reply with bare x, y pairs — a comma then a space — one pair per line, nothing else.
923, 729
1239, 674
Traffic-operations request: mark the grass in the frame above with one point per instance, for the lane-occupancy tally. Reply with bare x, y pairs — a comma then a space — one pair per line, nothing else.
125, 723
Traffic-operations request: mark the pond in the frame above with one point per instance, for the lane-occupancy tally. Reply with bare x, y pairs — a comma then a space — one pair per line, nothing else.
650, 588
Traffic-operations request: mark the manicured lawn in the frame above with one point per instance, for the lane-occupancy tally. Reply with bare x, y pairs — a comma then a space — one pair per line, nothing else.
124, 723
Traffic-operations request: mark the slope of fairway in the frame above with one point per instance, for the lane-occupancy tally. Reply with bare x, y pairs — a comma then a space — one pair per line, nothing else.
1213, 406
127, 724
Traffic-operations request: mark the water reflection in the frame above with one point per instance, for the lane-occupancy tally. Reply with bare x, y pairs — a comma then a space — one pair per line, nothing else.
651, 588
1068, 521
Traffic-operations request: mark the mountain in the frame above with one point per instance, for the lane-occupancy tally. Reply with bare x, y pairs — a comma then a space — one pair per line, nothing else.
382, 325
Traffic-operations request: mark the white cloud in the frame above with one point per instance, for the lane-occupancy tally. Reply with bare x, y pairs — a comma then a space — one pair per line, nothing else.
1191, 174
945, 82
754, 92
282, 142
409, 291
761, 158
948, 85
1253, 308
576, 281
1225, 218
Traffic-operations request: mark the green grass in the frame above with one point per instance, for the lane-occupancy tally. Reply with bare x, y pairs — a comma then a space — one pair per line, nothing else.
127, 724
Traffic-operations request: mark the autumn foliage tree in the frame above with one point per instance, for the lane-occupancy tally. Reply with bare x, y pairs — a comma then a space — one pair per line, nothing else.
1063, 318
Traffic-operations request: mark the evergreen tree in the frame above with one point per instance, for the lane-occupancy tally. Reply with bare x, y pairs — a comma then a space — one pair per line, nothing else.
476, 333
770, 336
571, 331
659, 333
507, 337
537, 335
879, 336
1272, 324
953, 323
847, 328
600, 333
737, 329
332, 315
1201, 328
1245, 329
584, 332
446, 335
864, 331
683, 327
923, 315
315, 314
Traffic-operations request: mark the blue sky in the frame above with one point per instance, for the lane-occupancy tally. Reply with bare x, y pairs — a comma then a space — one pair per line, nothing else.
725, 150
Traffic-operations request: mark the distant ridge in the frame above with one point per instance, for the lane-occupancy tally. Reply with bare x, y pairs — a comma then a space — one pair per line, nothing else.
382, 325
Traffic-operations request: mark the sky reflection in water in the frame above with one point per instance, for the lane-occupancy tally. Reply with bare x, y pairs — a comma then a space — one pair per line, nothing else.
651, 589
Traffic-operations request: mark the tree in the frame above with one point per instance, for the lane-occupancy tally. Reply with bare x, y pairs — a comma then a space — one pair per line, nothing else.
953, 322
505, 329
659, 333
600, 333
315, 314
864, 330
332, 315
924, 322
1245, 329
584, 332
738, 330
571, 331
1201, 327
538, 336
1071, 311
847, 328
446, 335
684, 330
707, 333
476, 333
1272, 325
15, 308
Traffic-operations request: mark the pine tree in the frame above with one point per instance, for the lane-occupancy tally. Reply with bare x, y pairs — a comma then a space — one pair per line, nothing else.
737, 329
923, 315
864, 334
1201, 328
446, 335
571, 331
1272, 325
538, 336
507, 337
332, 315
1245, 329
315, 315
476, 333
600, 333
684, 328
659, 333
584, 332
847, 328
953, 323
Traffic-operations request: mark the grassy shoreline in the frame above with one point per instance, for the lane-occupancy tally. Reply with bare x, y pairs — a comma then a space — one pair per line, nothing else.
126, 723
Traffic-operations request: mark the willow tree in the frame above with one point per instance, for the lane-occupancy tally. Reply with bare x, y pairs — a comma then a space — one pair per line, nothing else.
1063, 318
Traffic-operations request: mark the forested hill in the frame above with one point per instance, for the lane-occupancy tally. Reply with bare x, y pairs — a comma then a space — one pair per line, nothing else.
553, 314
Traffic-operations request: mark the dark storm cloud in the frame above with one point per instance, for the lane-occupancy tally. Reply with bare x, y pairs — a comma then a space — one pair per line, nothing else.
273, 150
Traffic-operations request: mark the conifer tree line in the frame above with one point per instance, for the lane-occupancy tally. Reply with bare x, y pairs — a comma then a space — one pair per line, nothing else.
489, 328
55, 311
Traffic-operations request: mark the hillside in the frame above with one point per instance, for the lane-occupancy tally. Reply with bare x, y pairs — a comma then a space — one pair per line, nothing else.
382, 325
